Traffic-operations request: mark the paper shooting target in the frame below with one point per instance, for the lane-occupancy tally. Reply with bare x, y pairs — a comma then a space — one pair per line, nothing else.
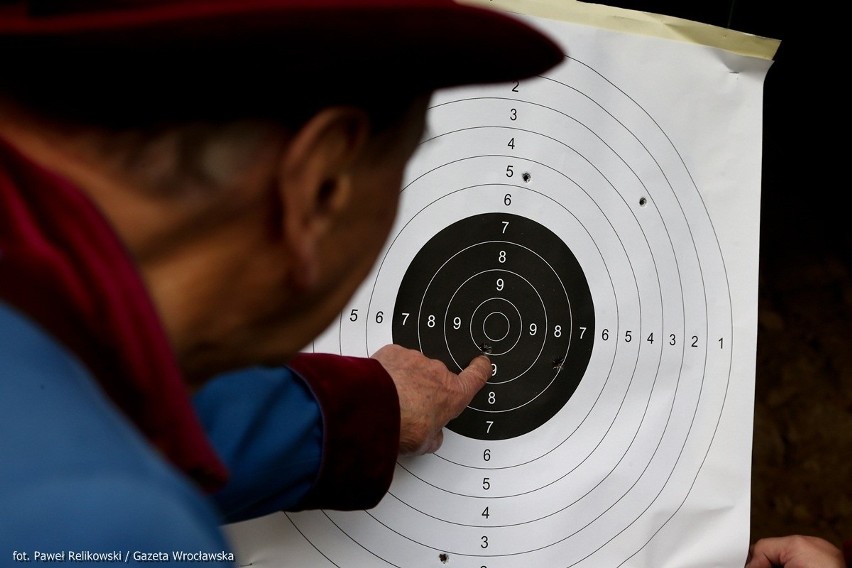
579, 255
555, 225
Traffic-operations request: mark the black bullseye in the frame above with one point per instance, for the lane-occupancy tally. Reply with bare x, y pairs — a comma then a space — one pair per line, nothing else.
506, 286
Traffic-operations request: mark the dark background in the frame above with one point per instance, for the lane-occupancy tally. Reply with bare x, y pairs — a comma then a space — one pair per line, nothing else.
802, 459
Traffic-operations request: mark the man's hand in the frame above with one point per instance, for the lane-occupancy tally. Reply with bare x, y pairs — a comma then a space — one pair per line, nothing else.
429, 394
794, 552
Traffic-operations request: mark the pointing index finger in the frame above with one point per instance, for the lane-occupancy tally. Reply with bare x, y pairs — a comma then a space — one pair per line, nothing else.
476, 375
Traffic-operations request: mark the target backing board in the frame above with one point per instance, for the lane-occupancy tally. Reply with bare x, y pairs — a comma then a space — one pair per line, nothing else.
593, 230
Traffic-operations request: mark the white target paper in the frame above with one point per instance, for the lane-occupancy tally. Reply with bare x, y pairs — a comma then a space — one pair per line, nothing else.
594, 230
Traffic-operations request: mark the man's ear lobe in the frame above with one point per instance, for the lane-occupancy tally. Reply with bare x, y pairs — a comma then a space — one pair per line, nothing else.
315, 179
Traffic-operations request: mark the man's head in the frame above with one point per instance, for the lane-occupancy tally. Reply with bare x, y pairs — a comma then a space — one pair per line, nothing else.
249, 153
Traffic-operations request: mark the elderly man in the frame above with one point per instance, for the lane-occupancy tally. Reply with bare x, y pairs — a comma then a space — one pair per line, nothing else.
189, 193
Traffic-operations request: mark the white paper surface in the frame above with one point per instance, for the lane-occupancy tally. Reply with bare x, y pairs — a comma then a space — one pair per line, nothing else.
643, 157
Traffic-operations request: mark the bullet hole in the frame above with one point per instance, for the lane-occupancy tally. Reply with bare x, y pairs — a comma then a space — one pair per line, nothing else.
526, 176
444, 557
557, 363
642, 202
485, 348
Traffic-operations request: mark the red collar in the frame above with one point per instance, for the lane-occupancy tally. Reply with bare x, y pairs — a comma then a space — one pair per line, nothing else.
63, 265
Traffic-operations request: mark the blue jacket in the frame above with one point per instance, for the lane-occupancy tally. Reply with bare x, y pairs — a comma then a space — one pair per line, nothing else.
77, 478
75, 475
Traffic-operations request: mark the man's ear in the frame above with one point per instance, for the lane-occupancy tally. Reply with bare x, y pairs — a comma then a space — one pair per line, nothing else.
315, 182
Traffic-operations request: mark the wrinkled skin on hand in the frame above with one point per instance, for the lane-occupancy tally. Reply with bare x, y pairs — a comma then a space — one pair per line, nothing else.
430, 395
794, 552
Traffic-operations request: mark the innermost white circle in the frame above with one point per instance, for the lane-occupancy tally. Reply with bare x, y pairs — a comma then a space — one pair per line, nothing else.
510, 306
499, 323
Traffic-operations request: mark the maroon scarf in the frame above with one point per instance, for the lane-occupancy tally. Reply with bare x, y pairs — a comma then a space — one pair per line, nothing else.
63, 265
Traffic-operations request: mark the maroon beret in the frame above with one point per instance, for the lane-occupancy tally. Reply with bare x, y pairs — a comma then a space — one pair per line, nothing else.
423, 43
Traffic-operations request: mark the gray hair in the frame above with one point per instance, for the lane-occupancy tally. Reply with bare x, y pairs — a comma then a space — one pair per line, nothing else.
196, 157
